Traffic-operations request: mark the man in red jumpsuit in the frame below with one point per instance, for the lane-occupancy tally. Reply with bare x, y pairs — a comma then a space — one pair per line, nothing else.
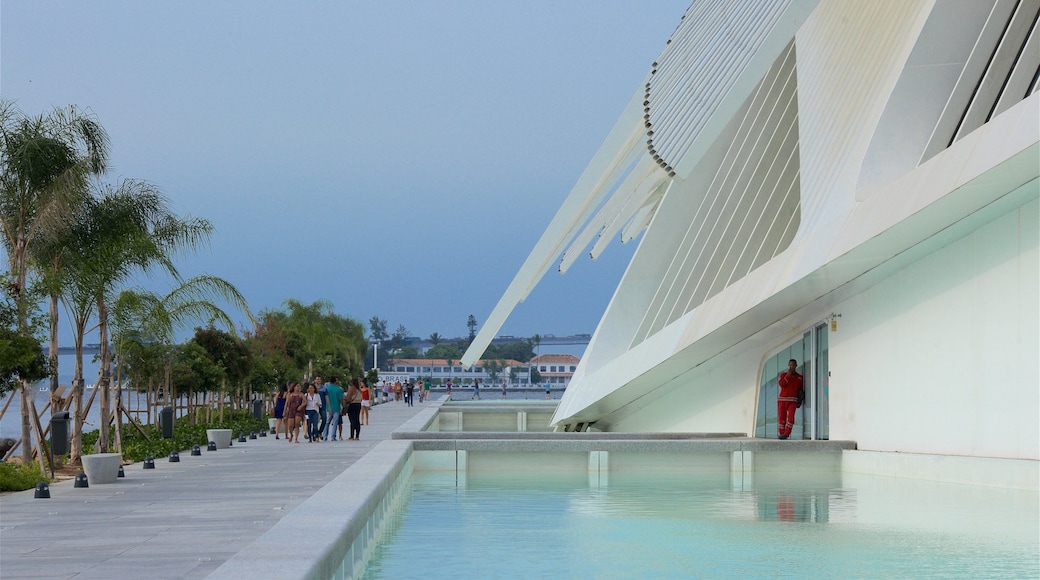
787, 402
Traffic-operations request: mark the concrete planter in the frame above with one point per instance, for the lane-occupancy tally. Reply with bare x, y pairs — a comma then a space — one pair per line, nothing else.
222, 437
102, 467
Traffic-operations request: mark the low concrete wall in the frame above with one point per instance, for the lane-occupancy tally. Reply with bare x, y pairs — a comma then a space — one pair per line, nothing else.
993, 472
333, 533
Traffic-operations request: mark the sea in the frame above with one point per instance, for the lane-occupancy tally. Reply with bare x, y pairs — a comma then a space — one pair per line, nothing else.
11, 424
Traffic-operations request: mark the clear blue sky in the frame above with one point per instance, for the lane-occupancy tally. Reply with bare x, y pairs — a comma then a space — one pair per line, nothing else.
399, 159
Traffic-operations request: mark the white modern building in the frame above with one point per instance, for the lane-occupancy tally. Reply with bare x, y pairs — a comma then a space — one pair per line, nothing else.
850, 184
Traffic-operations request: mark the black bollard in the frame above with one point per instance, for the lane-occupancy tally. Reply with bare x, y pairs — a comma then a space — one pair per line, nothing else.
43, 491
175, 457
81, 480
263, 433
242, 438
149, 463
121, 474
252, 435
195, 450
212, 446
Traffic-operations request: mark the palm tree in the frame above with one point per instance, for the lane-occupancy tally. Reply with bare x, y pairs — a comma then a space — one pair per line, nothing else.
122, 231
536, 341
141, 319
44, 163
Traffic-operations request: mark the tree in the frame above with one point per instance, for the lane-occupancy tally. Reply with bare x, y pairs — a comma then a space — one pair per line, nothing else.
273, 348
327, 342
44, 163
397, 340
445, 351
377, 329
435, 339
493, 367
519, 350
471, 324
144, 324
407, 352
535, 376
122, 231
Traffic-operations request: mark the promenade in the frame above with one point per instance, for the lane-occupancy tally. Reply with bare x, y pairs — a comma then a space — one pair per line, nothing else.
179, 520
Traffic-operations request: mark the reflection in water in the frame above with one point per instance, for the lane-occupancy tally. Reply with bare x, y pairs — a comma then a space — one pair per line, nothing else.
638, 525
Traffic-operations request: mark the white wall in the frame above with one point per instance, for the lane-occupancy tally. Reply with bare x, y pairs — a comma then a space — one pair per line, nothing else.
942, 356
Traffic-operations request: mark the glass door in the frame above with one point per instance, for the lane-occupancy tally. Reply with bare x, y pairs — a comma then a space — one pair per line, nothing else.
811, 420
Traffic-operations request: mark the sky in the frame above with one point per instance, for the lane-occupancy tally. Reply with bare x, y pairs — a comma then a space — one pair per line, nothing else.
399, 159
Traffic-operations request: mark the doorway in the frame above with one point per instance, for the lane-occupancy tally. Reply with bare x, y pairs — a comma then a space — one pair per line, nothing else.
812, 419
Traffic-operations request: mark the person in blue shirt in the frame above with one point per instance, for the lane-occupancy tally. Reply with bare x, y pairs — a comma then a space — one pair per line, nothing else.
333, 397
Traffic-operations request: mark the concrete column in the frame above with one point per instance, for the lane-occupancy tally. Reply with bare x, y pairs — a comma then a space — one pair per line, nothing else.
599, 468
521, 421
742, 470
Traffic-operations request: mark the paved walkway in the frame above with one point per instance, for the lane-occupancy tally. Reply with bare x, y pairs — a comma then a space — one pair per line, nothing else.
180, 520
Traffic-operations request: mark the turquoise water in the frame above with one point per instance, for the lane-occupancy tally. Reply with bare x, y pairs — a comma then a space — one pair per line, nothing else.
552, 525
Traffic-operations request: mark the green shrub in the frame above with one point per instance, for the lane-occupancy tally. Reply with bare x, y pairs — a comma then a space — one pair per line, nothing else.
14, 477
136, 447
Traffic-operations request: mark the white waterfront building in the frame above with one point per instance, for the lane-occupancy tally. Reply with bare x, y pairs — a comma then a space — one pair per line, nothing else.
850, 184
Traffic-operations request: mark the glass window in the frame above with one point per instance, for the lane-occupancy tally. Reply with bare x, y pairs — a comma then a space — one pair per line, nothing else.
409, 369
811, 353
573, 368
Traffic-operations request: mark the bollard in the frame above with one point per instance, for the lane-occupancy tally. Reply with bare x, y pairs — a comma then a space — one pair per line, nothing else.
149, 463
175, 457
195, 450
121, 474
252, 435
81, 480
242, 438
43, 491
212, 446
263, 433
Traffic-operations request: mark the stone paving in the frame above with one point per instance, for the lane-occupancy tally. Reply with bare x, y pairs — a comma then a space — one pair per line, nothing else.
179, 520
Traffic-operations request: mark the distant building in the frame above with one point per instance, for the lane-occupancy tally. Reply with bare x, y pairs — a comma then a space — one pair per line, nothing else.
439, 370
556, 369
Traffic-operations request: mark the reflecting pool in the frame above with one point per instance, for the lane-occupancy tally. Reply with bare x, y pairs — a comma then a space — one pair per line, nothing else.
552, 524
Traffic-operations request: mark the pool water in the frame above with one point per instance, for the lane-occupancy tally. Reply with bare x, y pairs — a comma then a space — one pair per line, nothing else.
524, 525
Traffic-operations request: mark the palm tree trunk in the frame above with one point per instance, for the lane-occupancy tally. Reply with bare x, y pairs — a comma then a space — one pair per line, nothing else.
104, 373
79, 414
119, 409
52, 348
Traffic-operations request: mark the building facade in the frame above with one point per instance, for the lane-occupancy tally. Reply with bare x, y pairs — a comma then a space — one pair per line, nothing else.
556, 370
853, 185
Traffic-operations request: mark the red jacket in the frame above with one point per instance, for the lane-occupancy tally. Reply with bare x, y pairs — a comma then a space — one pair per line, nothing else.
789, 386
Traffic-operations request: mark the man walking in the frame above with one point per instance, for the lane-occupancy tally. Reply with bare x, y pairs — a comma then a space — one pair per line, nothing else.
333, 397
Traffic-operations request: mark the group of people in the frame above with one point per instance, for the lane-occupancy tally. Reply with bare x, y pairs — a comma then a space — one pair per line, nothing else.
316, 408
406, 391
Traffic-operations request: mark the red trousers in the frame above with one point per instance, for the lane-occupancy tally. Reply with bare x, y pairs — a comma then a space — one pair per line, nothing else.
785, 416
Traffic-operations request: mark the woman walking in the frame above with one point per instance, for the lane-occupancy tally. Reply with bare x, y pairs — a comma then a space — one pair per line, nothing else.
353, 398
279, 409
366, 402
313, 408
294, 408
